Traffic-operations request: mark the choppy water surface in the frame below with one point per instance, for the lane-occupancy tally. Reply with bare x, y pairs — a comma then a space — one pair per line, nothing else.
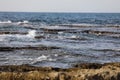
59, 39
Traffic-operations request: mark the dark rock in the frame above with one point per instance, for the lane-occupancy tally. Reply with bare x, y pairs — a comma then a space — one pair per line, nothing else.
89, 65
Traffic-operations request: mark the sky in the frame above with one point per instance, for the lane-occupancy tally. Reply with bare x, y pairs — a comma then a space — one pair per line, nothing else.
60, 5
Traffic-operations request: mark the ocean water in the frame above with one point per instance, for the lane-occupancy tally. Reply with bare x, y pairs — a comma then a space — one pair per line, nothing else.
59, 39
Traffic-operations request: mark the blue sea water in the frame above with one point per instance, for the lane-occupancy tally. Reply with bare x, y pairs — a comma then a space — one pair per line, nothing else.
62, 18
76, 38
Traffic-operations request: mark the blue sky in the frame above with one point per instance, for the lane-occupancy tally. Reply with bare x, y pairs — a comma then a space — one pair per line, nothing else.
60, 5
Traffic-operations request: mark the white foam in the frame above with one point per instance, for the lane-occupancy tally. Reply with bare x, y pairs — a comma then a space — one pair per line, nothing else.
40, 58
5, 22
56, 55
81, 24
30, 36
60, 37
73, 36
1, 39
60, 32
19, 22
51, 59
23, 22
4, 37
31, 33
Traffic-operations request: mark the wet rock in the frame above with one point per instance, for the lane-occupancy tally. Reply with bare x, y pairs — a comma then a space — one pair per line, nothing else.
33, 48
101, 32
39, 37
77, 38
87, 72
12, 32
89, 65
55, 31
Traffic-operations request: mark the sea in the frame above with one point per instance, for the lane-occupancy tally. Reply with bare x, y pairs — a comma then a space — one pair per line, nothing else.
59, 39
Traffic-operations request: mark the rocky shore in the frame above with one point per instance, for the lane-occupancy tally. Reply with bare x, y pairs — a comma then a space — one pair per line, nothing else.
85, 71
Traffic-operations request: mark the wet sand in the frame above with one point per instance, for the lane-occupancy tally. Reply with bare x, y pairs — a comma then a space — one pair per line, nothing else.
85, 71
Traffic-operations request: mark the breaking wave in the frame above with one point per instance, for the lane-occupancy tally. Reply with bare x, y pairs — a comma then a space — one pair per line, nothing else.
11, 22
23, 22
5, 22
31, 34
8, 37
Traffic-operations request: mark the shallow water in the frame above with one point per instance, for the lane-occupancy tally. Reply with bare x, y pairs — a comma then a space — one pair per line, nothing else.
59, 40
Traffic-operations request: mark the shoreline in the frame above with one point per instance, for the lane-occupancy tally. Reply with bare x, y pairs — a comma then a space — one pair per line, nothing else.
84, 71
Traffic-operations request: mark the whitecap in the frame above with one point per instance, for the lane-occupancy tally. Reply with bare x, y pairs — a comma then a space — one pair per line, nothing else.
5, 22
19, 22
31, 33
60, 37
40, 58
23, 22
30, 36
50, 59
56, 55
73, 36
60, 32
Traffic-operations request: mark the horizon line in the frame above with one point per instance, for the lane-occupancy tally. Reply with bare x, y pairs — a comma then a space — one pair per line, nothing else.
57, 12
